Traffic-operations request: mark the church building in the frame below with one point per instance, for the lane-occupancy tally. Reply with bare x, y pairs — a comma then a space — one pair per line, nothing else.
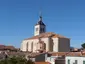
43, 41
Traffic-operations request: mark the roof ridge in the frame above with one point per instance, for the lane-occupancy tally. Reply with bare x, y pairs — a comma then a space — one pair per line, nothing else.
47, 34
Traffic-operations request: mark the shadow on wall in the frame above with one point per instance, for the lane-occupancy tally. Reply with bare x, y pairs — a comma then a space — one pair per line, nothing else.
51, 44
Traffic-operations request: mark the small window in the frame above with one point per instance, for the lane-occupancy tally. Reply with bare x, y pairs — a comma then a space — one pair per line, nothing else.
75, 61
36, 29
84, 62
43, 30
68, 61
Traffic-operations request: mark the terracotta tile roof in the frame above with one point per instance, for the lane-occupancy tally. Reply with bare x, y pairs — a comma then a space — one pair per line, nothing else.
42, 63
83, 54
74, 54
34, 54
47, 34
52, 54
67, 53
3, 47
58, 53
16, 53
10, 47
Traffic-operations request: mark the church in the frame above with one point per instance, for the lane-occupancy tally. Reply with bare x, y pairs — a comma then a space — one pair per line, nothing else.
43, 41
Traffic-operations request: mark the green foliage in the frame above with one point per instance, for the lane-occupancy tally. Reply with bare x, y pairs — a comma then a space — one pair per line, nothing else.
83, 45
16, 60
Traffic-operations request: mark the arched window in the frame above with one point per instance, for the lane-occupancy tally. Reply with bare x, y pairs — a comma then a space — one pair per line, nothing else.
36, 29
42, 30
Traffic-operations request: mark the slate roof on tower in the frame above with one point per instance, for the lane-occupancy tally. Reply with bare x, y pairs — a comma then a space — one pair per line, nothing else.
47, 34
40, 21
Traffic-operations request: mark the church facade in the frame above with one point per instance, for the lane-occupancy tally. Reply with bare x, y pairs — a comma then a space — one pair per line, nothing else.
43, 41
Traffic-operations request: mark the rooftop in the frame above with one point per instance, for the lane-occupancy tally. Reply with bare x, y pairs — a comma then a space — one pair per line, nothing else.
3, 47
40, 21
47, 34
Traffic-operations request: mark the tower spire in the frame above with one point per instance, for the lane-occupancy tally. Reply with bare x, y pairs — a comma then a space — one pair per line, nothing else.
40, 22
40, 14
40, 27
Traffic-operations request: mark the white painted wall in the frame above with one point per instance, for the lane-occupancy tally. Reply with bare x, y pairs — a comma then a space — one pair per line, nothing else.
55, 46
35, 41
73, 58
59, 45
37, 32
23, 46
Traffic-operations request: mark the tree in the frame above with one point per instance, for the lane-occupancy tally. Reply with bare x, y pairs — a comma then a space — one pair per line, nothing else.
83, 45
16, 60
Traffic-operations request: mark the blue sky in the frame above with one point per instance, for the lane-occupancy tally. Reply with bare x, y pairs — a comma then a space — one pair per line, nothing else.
18, 17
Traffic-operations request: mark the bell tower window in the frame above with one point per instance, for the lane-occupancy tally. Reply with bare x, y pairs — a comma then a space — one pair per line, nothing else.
43, 29
36, 29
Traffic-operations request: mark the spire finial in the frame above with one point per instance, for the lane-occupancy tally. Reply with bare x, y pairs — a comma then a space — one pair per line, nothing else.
40, 13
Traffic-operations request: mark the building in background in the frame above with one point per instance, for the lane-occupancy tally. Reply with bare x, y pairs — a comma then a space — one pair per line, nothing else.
7, 48
75, 58
43, 41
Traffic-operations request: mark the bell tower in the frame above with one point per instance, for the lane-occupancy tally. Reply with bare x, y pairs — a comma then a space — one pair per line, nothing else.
40, 27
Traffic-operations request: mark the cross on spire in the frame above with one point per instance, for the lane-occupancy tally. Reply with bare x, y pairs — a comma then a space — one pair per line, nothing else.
40, 18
